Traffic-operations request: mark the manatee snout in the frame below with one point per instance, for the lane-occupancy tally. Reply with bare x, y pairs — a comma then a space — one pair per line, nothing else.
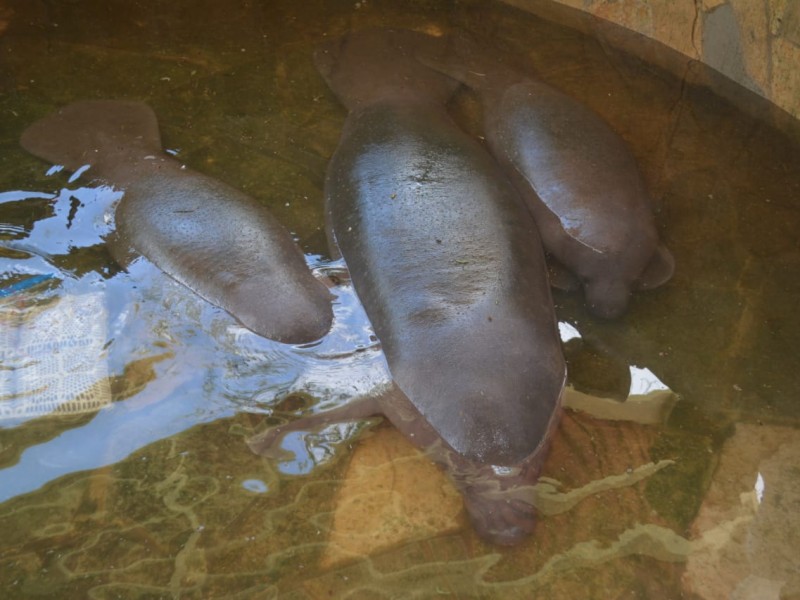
500, 501
501, 521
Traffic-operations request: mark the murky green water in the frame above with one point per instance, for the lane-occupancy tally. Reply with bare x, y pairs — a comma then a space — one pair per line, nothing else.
153, 493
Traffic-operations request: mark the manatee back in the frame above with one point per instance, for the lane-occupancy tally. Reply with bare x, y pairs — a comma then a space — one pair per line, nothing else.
450, 269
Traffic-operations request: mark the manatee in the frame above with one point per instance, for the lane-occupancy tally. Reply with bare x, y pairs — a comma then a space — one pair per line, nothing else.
576, 174
449, 267
215, 240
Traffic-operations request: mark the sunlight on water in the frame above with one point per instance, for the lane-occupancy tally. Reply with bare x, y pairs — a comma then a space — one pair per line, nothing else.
126, 401
567, 331
62, 345
644, 381
759, 488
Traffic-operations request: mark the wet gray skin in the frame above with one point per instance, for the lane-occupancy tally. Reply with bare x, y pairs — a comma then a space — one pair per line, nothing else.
210, 237
449, 267
576, 174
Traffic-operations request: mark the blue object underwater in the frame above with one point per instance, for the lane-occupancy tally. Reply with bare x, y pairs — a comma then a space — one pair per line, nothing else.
23, 285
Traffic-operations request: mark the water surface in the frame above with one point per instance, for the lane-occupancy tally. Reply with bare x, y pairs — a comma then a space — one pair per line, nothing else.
144, 486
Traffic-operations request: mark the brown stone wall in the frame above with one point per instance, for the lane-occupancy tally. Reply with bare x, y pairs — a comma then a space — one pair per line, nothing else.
754, 42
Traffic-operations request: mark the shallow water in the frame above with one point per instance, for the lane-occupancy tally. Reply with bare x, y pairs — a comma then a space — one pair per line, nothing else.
144, 486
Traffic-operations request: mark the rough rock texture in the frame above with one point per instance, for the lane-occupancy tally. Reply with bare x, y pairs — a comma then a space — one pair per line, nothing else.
391, 494
746, 534
754, 42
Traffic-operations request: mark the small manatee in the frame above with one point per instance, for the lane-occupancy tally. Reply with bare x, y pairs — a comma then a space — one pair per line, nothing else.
215, 240
576, 174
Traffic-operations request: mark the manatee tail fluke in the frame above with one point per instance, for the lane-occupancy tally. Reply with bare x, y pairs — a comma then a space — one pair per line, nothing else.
452, 57
77, 134
461, 57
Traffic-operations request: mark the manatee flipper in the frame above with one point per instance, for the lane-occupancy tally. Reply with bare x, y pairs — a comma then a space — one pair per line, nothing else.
267, 443
560, 277
658, 271
217, 241
460, 57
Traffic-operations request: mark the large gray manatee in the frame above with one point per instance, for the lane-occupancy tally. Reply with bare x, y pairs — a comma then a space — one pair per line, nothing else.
448, 264
575, 172
212, 238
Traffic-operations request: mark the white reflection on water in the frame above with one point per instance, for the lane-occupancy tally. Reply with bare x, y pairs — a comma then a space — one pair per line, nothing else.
209, 367
644, 381
204, 365
759, 488
567, 331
